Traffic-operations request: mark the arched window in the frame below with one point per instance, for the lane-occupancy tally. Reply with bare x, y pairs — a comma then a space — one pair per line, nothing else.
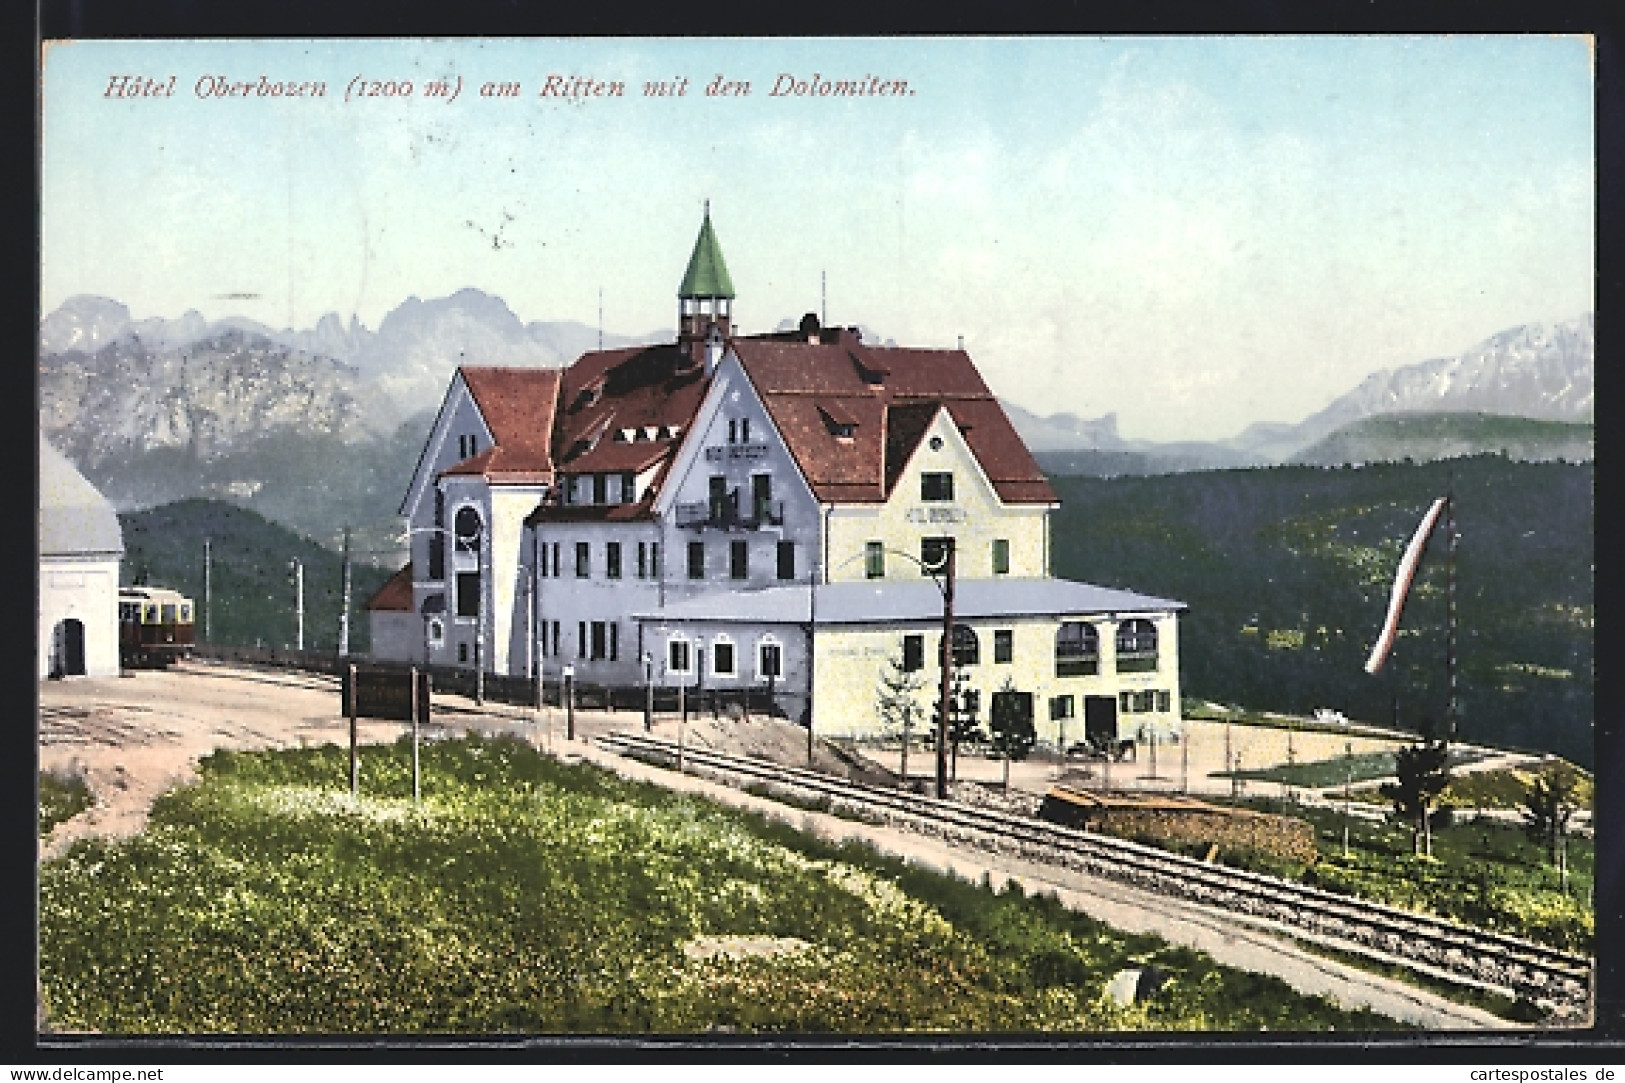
466, 529
1077, 649
1136, 646
967, 648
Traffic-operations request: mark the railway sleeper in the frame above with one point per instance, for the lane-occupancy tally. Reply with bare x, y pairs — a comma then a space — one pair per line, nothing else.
1563, 995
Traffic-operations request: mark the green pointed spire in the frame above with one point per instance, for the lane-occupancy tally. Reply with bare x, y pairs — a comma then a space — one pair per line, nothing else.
707, 274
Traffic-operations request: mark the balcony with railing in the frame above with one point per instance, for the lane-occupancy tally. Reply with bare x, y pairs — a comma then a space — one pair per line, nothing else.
725, 513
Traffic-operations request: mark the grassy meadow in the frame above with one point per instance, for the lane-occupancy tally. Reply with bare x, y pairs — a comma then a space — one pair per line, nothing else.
525, 895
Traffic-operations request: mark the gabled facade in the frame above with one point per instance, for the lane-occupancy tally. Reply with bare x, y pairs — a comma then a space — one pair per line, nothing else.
80, 547
752, 513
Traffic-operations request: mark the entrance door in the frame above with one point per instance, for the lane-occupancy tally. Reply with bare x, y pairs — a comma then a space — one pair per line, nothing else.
1100, 720
69, 648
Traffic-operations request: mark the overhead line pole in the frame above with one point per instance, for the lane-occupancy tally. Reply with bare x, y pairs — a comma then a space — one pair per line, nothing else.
946, 692
344, 615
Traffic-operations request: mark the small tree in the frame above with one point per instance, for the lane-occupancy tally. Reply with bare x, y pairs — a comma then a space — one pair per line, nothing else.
1423, 771
1548, 805
963, 724
1011, 723
898, 704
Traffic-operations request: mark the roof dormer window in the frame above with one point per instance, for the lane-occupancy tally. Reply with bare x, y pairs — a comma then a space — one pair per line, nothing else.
840, 424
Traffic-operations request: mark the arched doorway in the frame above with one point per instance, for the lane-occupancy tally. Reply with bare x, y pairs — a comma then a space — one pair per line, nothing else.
68, 648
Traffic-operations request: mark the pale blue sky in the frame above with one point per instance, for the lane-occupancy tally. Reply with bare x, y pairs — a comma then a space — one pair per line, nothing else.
1197, 233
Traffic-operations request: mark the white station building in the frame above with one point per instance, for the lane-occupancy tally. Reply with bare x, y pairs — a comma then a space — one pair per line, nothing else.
756, 514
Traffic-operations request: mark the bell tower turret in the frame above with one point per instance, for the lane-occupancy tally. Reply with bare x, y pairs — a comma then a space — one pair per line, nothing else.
705, 299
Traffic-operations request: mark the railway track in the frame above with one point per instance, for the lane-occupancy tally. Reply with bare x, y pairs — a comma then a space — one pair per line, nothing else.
1467, 956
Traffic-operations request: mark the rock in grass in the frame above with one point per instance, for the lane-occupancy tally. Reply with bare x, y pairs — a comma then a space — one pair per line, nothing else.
1130, 986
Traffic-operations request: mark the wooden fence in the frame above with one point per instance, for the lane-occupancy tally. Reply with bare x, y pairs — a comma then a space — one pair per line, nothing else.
522, 691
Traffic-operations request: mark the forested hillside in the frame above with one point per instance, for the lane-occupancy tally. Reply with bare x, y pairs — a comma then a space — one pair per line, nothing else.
253, 591
1287, 572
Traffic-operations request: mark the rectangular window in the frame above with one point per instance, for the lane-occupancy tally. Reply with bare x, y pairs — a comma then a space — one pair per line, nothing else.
934, 553
1060, 707
600, 488
581, 639
696, 560
614, 642
437, 557
643, 560
1165, 702
555, 638
936, 486
462, 653
787, 560
733, 431
761, 498
677, 656
1139, 702
769, 661
1001, 556
612, 559
598, 640
717, 498
555, 559
1004, 645
629, 488
583, 560
913, 652
738, 560
744, 430
439, 508
567, 486
654, 560
874, 560
468, 594
722, 659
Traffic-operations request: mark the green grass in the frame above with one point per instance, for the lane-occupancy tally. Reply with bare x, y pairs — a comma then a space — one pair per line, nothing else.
1481, 873
1319, 774
527, 895
61, 797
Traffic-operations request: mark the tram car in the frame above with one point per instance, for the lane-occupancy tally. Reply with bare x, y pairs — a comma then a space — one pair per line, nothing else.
155, 627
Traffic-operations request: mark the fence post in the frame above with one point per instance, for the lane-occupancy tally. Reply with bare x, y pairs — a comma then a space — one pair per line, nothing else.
569, 692
355, 762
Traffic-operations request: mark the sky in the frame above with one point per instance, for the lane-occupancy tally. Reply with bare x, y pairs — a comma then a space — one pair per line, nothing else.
1193, 233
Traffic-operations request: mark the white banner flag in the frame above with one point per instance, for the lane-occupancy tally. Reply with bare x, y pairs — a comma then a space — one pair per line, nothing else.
1402, 586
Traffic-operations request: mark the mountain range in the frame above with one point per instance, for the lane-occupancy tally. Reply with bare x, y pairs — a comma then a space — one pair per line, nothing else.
1542, 371
157, 409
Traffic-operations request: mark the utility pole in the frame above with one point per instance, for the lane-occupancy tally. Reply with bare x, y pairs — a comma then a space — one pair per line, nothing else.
344, 615
945, 695
298, 602
208, 593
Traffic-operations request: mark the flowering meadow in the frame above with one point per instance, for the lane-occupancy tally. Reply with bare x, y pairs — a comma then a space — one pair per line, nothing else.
524, 895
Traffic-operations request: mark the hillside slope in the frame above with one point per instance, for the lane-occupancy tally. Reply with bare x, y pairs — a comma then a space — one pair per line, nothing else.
1426, 437
1287, 572
252, 587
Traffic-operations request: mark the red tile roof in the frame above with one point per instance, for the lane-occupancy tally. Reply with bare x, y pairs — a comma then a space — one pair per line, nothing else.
640, 387
519, 405
395, 596
891, 394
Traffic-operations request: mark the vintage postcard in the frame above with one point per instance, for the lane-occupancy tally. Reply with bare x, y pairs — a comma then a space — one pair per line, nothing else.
912, 538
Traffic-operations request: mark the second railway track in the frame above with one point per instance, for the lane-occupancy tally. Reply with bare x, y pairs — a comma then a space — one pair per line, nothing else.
1443, 949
